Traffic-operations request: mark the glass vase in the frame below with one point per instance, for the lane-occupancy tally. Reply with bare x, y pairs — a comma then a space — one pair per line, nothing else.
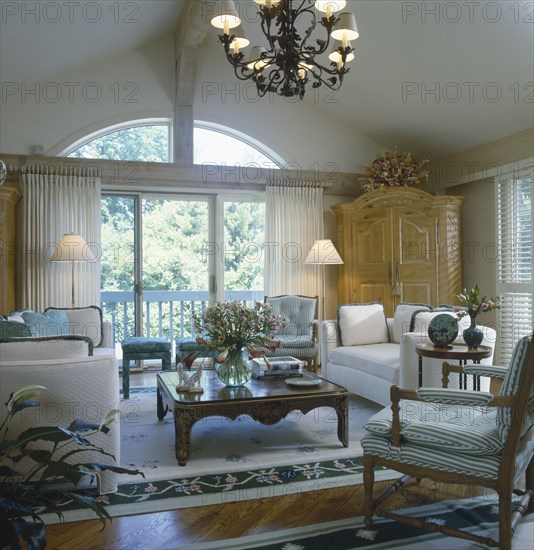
473, 336
236, 369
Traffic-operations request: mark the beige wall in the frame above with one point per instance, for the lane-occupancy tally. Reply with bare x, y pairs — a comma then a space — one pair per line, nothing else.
478, 237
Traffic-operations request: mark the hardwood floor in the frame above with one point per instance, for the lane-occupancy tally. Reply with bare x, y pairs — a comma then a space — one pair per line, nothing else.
179, 528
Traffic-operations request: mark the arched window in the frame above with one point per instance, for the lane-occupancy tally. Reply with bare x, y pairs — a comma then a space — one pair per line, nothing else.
151, 142
148, 143
220, 145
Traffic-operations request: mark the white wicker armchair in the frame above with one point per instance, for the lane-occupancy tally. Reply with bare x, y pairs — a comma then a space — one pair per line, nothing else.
77, 386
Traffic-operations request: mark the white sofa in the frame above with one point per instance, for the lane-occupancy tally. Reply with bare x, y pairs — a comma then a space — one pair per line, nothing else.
77, 386
369, 370
85, 321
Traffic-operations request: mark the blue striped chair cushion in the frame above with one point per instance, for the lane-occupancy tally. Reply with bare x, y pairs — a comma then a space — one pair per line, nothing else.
467, 429
445, 461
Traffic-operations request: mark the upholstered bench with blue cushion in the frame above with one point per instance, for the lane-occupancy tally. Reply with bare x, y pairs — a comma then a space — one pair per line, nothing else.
185, 346
136, 348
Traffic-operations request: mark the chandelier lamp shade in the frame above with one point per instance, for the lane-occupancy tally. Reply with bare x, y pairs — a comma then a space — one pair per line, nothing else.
289, 60
72, 248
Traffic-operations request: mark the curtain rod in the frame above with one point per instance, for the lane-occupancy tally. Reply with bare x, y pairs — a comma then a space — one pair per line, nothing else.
286, 182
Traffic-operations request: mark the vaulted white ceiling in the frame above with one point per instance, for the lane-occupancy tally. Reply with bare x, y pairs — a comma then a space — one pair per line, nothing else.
436, 77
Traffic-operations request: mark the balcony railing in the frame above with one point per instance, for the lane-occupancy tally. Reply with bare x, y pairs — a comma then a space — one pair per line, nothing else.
166, 313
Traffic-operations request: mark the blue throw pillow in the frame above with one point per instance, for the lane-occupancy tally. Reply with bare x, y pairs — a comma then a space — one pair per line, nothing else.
50, 323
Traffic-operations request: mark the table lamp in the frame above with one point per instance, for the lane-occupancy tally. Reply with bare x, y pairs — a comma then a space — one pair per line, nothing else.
72, 248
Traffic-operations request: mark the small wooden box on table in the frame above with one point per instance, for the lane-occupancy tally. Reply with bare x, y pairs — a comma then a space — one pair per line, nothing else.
267, 401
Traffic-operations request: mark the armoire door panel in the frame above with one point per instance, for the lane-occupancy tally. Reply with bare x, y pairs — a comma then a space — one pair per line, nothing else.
372, 242
418, 293
371, 265
417, 266
417, 242
372, 292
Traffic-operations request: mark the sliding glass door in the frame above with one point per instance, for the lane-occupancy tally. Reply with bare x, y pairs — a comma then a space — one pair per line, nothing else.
176, 269
166, 257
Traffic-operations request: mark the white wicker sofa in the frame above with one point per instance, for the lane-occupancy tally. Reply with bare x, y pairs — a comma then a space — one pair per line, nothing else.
78, 385
84, 321
70, 352
382, 351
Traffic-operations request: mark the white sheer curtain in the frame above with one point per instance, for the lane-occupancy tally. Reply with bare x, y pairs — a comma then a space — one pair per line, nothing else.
57, 200
294, 221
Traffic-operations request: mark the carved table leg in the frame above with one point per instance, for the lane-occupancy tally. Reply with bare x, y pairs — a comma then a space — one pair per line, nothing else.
343, 421
161, 409
183, 424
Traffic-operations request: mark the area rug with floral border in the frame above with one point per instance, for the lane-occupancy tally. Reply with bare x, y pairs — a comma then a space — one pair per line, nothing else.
230, 461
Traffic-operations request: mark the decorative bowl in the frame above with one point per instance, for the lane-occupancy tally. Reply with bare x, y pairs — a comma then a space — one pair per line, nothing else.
443, 330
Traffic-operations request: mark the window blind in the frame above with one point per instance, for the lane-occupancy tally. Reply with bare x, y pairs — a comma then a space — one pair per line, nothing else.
515, 262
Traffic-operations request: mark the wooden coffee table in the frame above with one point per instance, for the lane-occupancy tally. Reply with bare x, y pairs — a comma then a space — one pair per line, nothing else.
267, 401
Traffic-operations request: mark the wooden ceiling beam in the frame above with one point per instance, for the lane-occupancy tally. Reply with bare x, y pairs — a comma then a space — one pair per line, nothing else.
188, 37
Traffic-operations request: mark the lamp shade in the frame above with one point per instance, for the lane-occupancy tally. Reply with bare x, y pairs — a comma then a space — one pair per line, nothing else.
227, 18
330, 5
323, 252
345, 29
72, 248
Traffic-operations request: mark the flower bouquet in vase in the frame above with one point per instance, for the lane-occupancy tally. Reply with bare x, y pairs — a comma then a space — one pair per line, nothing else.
474, 304
237, 333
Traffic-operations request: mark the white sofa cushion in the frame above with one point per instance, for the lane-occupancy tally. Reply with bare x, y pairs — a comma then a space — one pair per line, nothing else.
44, 348
403, 318
86, 321
361, 324
381, 360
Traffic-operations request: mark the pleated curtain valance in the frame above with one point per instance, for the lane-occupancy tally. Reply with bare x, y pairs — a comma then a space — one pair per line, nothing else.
307, 183
86, 171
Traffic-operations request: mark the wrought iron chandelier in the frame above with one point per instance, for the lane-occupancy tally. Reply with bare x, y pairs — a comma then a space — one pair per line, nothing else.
290, 62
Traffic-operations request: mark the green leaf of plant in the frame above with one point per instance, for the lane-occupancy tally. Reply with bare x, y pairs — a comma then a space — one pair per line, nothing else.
39, 455
6, 471
108, 419
53, 434
70, 472
97, 467
80, 425
97, 508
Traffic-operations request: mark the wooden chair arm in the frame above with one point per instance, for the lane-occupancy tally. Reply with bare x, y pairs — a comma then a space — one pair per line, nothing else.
315, 330
396, 395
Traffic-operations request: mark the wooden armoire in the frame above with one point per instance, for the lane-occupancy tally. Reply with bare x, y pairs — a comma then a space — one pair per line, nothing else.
399, 244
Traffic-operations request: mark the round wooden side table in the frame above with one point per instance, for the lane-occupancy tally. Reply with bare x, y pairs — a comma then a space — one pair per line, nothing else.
457, 352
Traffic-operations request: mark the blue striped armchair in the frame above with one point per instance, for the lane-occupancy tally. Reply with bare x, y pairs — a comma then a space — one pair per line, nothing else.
299, 337
462, 437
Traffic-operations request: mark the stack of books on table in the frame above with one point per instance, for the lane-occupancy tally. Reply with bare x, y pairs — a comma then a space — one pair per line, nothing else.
276, 366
